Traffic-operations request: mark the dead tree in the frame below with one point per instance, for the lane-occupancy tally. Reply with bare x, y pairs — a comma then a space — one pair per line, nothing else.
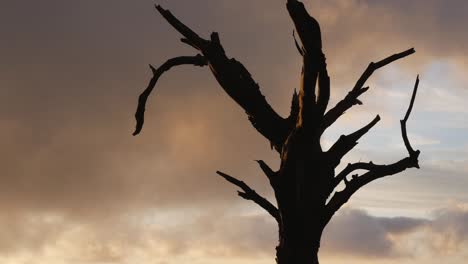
306, 186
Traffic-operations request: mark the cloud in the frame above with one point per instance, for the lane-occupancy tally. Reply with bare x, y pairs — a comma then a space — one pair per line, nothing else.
53, 238
356, 233
449, 229
225, 235
70, 77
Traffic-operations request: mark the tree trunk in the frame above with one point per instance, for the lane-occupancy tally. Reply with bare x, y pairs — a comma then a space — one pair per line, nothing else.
293, 254
302, 197
298, 245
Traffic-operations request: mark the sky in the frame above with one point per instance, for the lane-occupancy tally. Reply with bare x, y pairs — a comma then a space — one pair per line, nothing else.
77, 188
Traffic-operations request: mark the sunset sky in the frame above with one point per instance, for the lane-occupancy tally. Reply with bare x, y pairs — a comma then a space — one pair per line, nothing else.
77, 188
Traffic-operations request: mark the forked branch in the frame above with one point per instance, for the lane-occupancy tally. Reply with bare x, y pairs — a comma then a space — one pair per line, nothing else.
374, 171
250, 194
236, 81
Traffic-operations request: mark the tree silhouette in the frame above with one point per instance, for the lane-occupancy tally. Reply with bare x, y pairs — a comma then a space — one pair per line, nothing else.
306, 185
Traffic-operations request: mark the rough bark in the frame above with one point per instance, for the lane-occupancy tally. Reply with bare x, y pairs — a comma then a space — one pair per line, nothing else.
305, 185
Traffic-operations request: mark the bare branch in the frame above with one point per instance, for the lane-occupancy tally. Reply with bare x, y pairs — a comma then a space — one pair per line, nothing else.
351, 167
374, 171
197, 60
352, 98
236, 81
250, 194
271, 174
348, 142
191, 37
373, 66
411, 151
